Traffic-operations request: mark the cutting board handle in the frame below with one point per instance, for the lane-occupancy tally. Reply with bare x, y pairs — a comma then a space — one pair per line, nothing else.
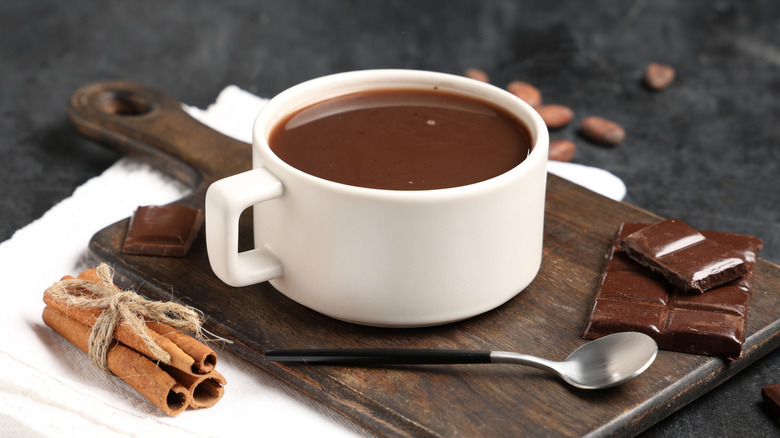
152, 127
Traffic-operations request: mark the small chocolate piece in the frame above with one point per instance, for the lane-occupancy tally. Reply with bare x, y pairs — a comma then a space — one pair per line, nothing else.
683, 255
632, 298
162, 230
771, 396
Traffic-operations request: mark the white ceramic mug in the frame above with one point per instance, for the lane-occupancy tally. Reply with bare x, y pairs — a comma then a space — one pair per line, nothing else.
382, 257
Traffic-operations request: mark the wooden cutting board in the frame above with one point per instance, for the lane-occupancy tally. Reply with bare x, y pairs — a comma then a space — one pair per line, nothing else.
546, 319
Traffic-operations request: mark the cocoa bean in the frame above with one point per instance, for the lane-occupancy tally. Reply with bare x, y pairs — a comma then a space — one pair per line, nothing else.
659, 76
556, 116
562, 150
602, 131
477, 74
530, 94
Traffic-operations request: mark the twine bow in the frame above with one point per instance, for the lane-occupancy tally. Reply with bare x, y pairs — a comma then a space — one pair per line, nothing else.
123, 307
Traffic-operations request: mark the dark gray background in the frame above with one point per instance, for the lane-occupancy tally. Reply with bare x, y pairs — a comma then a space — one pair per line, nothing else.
706, 151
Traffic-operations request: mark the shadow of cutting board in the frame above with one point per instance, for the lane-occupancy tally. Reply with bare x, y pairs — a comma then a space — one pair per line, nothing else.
469, 400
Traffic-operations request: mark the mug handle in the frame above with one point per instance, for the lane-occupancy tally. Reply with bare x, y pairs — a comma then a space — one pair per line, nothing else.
226, 199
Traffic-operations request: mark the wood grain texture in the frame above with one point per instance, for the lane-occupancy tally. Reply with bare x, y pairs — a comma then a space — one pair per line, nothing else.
545, 319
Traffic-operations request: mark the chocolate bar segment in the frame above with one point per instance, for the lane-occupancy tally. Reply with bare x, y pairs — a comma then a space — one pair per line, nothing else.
633, 298
771, 396
683, 255
162, 230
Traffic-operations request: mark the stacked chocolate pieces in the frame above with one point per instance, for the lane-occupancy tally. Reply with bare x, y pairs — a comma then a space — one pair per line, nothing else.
688, 290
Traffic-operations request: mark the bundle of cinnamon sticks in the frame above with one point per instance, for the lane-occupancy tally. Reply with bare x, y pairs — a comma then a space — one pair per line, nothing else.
174, 371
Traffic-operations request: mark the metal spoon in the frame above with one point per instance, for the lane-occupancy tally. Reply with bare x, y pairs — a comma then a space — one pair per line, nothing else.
603, 363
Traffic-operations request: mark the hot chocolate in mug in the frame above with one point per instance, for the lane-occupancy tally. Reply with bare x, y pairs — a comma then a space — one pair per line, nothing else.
395, 198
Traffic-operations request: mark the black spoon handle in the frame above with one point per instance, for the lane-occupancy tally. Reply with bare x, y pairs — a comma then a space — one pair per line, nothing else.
385, 356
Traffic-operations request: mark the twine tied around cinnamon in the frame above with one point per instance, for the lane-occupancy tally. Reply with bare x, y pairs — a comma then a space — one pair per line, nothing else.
123, 307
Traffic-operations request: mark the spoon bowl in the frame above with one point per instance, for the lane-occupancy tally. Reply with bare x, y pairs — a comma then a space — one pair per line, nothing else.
602, 363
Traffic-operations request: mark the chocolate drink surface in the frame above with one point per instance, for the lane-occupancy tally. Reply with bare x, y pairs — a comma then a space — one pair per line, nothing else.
402, 140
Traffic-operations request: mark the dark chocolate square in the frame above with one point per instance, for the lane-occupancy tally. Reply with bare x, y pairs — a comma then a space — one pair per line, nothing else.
771, 396
636, 287
686, 257
637, 317
167, 230
632, 298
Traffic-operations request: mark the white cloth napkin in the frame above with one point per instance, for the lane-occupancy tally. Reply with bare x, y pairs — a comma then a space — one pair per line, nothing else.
49, 388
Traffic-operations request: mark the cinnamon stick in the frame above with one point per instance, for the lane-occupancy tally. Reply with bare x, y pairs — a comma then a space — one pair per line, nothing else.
124, 334
137, 370
181, 351
168, 367
205, 389
191, 354
204, 358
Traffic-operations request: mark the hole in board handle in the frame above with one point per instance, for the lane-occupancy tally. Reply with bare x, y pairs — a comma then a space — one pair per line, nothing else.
123, 103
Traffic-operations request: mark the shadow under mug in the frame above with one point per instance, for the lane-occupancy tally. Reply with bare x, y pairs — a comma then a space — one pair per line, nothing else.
382, 257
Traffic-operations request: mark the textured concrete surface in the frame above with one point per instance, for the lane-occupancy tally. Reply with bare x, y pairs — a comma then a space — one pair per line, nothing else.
706, 150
